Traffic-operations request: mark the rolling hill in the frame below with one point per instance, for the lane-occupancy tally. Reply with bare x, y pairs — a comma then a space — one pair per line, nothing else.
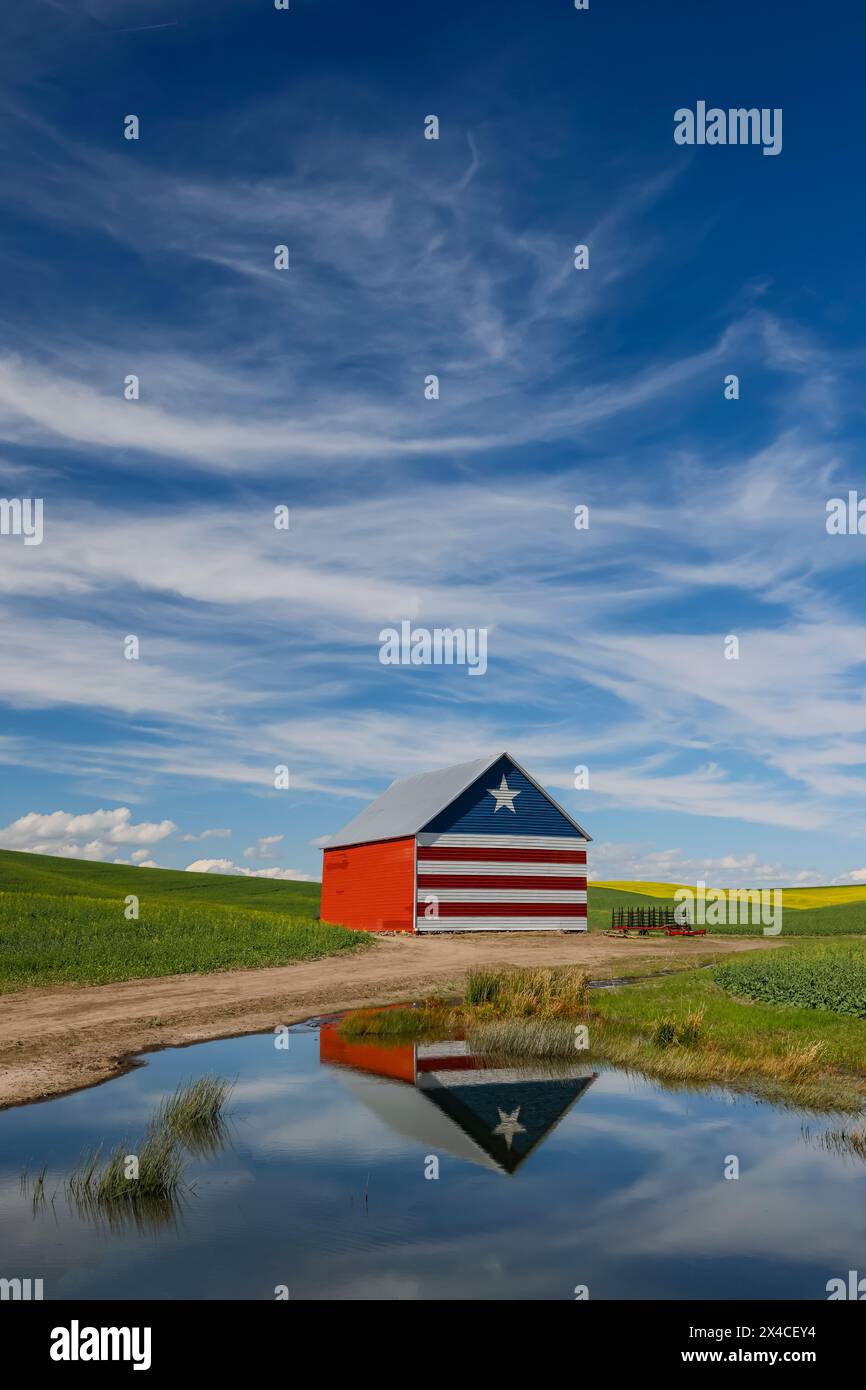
44, 873
64, 920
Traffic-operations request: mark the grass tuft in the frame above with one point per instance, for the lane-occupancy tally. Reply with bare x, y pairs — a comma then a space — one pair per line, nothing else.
160, 1168
389, 1023
673, 1032
193, 1114
537, 992
188, 1121
533, 992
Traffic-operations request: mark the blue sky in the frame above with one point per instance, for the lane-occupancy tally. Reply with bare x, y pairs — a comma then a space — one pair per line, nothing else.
305, 388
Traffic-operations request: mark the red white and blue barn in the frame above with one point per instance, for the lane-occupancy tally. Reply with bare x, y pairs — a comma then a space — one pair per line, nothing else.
476, 847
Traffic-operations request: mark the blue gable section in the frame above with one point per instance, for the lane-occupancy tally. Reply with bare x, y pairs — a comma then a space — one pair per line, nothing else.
474, 812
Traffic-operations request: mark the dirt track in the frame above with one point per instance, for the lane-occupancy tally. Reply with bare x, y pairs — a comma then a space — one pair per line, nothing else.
56, 1040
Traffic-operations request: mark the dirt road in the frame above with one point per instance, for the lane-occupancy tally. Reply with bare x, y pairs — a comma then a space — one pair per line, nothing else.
56, 1040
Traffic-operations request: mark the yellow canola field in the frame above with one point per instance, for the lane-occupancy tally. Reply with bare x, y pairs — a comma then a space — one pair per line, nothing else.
791, 897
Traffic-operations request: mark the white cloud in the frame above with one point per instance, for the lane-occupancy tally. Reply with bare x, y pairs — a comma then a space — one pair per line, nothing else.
62, 833
609, 861
226, 866
603, 646
264, 848
218, 833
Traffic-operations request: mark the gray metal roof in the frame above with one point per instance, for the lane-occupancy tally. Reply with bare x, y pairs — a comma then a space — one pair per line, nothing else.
409, 803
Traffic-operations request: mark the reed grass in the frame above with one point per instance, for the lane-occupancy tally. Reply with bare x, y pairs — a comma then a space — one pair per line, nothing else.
849, 1142
392, 1023
193, 1114
532, 992
793, 1077
536, 992
189, 1121
160, 1169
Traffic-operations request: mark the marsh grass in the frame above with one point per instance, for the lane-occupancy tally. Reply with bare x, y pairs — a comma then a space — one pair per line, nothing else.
34, 1188
531, 993
99, 1190
193, 1114
189, 1121
851, 1143
793, 1077
393, 1024
160, 1170
675, 1032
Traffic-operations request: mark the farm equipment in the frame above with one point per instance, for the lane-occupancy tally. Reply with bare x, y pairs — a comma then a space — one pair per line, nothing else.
648, 920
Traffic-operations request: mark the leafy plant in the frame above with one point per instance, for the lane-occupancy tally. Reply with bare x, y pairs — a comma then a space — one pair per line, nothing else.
835, 980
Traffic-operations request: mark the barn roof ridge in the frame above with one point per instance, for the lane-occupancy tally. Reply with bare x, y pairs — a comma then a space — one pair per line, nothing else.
409, 803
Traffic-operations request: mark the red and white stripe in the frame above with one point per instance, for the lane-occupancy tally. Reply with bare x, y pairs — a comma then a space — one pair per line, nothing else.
500, 883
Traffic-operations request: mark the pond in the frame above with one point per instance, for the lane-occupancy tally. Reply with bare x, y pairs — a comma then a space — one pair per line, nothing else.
550, 1177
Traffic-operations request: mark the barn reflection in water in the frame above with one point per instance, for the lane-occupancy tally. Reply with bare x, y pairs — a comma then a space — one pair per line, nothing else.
451, 1100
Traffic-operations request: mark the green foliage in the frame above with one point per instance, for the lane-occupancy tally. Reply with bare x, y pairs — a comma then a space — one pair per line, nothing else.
190, 1121
482, 986
832, 980
48, 940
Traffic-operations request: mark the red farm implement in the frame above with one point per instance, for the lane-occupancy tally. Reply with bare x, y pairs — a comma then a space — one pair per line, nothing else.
645, 920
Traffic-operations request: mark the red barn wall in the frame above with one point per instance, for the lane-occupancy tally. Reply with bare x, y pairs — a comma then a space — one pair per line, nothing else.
370, 887
396, 1060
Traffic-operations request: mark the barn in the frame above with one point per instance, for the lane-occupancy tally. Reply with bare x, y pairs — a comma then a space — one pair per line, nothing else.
476, 847
447, 1098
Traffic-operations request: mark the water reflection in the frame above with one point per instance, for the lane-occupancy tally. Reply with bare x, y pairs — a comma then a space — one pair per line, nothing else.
143, 1185
445, 1097
322, 1185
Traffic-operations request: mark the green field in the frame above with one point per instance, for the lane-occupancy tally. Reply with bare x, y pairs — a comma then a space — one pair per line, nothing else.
43, 873
824, 975
62, 922
841, 918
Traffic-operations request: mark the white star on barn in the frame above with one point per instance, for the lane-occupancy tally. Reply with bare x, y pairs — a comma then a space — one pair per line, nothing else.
504, 796
508, 1125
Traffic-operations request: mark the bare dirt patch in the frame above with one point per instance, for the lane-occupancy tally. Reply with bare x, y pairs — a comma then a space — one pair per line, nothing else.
57, 1040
